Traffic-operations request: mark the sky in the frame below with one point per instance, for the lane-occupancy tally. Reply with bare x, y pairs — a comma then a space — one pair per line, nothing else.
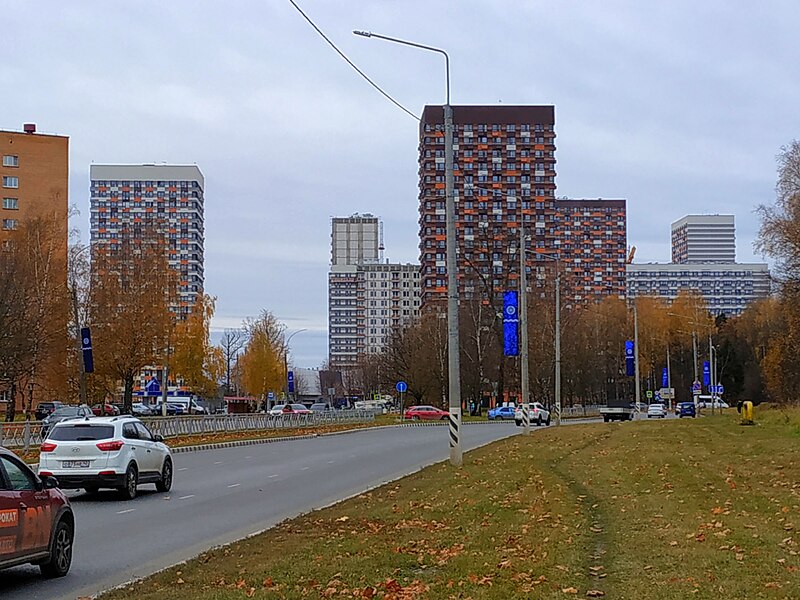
679, 107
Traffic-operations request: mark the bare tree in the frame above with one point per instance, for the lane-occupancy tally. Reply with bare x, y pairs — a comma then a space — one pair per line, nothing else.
232, 343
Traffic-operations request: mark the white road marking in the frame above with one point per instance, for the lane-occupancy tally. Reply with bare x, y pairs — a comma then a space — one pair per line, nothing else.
123, 512
248, 457
271, 476
330, 462
186, 497
183, 468
219, 462
233, 485
305, 468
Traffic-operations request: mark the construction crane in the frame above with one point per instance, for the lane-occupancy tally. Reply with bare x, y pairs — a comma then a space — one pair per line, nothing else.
631, 254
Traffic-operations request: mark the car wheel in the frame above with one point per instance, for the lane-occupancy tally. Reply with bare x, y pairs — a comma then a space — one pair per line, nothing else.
548, 421
60, 559
518, 423
415, 418
539, 421
166, 477
91, 489
128, 490
444, 418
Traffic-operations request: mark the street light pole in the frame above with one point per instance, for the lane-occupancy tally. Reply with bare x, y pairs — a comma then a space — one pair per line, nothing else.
636, 354
558, 341
286, 362
523, 323
453, 346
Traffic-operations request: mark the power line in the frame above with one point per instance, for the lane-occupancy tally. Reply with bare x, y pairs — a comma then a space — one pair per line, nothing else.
350, 62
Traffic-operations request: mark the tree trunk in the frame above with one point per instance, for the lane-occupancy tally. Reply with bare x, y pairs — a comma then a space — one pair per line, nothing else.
127, 399
11, 409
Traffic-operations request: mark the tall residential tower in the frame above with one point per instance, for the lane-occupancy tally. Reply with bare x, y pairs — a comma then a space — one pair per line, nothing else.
128, 201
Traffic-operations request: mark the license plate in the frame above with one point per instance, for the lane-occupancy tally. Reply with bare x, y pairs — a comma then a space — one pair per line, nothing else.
74, 464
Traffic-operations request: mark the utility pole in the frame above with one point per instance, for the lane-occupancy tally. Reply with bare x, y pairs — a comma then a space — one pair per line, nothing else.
523, 323
669, 376
713, 367
558, 341
636, 354
79, 345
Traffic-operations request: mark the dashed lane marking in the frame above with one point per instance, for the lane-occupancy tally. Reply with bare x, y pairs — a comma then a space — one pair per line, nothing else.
233, 485
186, 497
124, 512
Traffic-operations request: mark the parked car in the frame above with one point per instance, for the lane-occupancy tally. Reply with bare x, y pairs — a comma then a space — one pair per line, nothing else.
425, 413
64, 413
36, 519
320, 407
105, 410
537, 414
106, 452
501, 413
618, 409
656, 410
140, 409
45, 408
707, 402
685, 409
172, 409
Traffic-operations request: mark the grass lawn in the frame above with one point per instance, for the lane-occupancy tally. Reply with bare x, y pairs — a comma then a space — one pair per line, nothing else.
695, 508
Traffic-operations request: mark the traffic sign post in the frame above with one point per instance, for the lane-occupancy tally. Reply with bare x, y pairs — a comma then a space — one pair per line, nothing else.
649, 394
401, 387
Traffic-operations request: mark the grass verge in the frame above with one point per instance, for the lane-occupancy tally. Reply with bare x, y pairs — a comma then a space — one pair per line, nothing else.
697, 508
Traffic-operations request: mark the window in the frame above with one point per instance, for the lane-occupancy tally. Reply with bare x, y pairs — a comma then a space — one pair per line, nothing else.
18, 476
10, 182
144, 432
129, 431
10, 224
10, 160
11, 203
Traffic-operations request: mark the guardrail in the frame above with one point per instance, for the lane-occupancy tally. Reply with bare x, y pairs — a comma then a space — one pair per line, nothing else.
25, 435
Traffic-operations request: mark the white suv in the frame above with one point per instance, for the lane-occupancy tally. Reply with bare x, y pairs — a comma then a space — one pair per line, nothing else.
537, 414
106, 452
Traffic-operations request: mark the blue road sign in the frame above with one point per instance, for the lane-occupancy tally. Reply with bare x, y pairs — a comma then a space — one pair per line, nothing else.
706, 373
86, 346
401, 386
290, 378
665, 378
270, 395
716, 389
630, 366
510, 324
696, 387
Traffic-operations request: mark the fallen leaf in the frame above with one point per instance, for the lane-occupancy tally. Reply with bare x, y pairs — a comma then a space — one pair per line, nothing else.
595, 594
569, 590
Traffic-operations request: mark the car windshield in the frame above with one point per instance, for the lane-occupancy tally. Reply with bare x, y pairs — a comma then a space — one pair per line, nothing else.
81, 432
299, 407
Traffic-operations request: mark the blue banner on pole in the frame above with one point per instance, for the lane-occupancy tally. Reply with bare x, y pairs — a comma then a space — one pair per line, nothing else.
290, 378
86, 346
510, 324
664, 378
706, 373
630, 365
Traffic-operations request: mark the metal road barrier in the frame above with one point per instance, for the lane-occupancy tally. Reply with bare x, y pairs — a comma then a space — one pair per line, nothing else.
13, 435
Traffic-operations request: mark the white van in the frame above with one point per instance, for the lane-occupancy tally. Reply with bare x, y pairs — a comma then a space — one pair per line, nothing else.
197, 408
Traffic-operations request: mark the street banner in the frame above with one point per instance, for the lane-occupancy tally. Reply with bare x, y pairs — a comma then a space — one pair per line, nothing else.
510, 324
86, 346
630, 366
706, 373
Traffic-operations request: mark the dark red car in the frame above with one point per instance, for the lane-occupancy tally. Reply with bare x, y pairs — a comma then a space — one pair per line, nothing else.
36, 522
425, 413
107, 410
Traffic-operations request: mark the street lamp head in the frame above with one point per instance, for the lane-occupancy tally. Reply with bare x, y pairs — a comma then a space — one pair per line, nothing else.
362, 33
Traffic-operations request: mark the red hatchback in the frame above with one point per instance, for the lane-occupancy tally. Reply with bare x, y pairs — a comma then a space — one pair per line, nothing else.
36, 522
426, 413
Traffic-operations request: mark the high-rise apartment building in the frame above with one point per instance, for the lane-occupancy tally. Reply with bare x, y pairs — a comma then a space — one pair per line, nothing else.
504, 178
355, 240
367, 298
34, 184
704, 239
129, 201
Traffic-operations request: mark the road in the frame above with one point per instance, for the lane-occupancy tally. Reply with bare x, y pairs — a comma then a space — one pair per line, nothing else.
223, 495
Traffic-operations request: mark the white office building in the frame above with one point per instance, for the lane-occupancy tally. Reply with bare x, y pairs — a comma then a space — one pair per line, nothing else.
367, 297
703, 261
704, 239
727, 288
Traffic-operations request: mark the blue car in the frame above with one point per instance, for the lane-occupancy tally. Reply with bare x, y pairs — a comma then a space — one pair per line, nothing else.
686, 409
502, 413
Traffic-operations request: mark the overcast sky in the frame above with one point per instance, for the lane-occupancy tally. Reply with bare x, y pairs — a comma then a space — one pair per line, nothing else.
679, 107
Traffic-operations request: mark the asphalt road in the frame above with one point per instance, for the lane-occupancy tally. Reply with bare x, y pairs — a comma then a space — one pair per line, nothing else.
226, 494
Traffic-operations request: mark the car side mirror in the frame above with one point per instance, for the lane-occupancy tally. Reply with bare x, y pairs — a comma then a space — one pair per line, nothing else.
49, 482
158, 438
